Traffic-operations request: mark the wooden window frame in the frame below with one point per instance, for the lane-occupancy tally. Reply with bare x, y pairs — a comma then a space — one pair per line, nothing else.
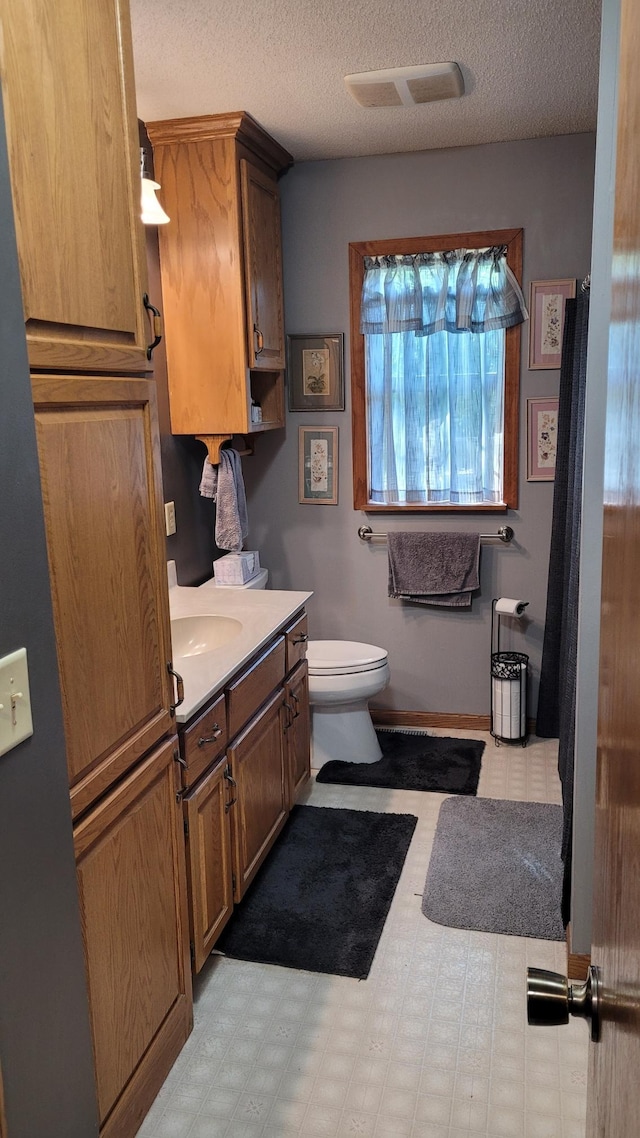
358, 250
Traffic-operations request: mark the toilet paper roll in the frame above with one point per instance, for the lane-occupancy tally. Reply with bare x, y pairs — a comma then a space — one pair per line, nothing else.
509, 607
509, 714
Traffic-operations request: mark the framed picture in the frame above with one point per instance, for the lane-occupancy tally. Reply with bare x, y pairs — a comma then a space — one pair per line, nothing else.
546, 309
315, 372
318, 465
542, 439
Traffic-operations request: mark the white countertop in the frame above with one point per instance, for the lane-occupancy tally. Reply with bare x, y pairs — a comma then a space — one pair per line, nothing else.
262, 614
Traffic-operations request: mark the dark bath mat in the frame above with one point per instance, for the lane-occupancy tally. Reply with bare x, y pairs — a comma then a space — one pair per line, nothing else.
495, 867
321, 899
412, 761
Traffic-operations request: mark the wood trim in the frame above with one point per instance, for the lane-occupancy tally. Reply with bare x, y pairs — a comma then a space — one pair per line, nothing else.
434, 244
577, 962
384, 717
358, 250
236, 124
382, 508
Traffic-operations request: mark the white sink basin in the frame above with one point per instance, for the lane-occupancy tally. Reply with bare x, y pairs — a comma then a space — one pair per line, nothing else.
193, 635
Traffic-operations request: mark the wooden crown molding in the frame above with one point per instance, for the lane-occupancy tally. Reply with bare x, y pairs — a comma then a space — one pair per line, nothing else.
238, 125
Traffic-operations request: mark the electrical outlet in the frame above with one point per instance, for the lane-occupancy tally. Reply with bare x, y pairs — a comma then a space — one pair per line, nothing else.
170, 517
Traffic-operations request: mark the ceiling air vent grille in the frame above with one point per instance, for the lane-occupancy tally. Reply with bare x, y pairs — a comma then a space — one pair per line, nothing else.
406, 86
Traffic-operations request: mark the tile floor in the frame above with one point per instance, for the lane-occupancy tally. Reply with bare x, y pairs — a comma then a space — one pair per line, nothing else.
434, 1044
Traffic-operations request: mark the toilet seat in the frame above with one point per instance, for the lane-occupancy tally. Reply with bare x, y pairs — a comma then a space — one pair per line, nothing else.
343, 657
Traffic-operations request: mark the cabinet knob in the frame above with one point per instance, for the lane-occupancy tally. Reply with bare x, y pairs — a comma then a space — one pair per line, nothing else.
259, 339
156, 324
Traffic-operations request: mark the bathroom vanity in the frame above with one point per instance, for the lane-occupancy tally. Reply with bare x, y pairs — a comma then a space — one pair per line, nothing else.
244, 739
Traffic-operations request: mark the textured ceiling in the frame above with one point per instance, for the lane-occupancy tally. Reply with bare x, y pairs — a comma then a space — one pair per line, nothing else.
530, 68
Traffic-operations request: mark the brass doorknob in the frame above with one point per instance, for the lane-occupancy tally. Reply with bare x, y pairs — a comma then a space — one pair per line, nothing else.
551, 998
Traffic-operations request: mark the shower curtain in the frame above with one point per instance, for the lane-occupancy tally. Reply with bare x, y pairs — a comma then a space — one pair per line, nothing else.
557, 697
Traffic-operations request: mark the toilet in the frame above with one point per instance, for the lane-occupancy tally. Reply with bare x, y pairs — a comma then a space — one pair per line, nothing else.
343, 676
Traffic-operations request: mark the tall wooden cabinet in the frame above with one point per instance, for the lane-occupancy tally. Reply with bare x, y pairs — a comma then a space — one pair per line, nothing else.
68, 96
221, 266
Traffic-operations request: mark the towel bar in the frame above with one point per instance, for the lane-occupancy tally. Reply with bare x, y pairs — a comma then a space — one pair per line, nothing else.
504, 533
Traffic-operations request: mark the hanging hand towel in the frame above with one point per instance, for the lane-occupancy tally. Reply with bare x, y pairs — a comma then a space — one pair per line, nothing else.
225, 485
434, 568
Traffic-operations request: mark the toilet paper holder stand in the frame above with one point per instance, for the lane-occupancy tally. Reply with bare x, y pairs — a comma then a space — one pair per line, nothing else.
509, 672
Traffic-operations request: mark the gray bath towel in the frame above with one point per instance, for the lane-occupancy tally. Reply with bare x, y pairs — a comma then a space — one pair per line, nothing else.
225, 484
434, 568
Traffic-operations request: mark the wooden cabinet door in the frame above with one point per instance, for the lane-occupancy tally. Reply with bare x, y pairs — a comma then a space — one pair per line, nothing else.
208, 833
99, 457
256, 759
263, 268
298, 731
67, 78
132, 889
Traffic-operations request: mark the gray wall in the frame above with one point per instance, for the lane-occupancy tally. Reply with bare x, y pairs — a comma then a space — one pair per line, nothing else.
45, 1045
439, 661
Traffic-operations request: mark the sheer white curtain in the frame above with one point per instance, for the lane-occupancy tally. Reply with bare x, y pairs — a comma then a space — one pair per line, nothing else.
434, 357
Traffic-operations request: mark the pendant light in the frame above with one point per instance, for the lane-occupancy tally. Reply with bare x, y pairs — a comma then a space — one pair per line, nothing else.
152, 211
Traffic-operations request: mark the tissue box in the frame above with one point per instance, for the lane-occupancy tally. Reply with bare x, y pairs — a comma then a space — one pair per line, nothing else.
237, 568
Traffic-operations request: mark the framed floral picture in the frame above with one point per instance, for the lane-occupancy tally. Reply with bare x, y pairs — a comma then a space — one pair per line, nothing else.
546, 310
318, 465
315, 373
542, 435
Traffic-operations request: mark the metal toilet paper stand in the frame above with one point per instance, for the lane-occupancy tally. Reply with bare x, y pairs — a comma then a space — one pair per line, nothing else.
508, 687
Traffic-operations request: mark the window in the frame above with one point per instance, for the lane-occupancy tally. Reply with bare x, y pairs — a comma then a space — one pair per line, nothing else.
435, 365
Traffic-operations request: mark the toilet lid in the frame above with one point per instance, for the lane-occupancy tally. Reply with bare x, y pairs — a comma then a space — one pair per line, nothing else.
341, 657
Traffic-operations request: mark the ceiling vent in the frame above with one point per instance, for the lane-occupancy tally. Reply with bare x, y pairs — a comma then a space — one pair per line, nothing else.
406, 86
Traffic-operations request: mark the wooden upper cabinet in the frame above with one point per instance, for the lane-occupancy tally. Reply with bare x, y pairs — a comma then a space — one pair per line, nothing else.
101, 487
221, 266
263, 270
67, 78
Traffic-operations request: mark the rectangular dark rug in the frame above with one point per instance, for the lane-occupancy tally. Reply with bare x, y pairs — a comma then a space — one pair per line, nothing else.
495, 867
320, 901
414, 761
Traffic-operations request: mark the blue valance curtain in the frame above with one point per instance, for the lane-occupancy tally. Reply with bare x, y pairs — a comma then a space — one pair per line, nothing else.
462, 290
435, 401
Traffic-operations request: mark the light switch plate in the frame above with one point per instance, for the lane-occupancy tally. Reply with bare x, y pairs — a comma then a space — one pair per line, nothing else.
15, 700
170, 518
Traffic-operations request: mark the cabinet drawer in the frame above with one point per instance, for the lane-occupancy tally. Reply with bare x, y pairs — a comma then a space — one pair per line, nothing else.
296, 637
204, 740
250, 690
